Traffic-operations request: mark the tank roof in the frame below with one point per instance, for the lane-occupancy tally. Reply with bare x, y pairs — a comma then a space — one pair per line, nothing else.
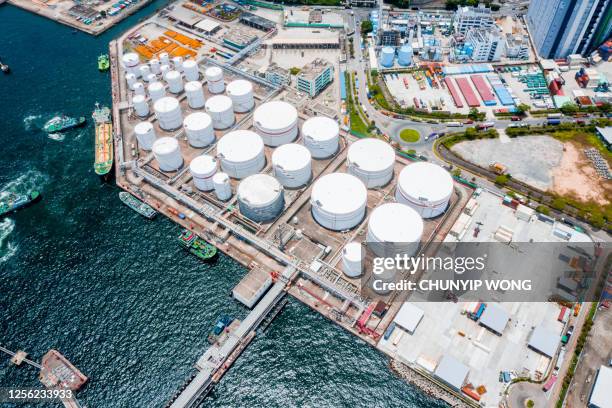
353, 251
291, 156
197, 121
339, 193
320, 128
395, 222
239, 87
240, 145
371, 155
166, 104
204, 164
426, 180
259, 189
143, 127
165, 145
275, 115
219, 103
193, 86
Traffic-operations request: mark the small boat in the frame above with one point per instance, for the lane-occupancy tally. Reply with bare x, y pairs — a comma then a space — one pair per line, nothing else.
135, 204
59, 123
103, 161
14, 202
103, 62
197, 246
4, 68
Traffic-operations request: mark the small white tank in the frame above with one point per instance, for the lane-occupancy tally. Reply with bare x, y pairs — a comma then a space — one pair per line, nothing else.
394, 229
168, 154
191, 70
276, 122
195, 94
241, 93
338, 201
141, 107
155, 66
220, 109
291, 164
352, 259
139, 89
223, 188
214, 76
145, 70
168, 113
130, 61
175, 81
145, 134
156, 91
241, 153
177, 62
164, 69
199, 129
372, 160
202, 169
164, 58
260, 197
151, 78
130, 79
321, 136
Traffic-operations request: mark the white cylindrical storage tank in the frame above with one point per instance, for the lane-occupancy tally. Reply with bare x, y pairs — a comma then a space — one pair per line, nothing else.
139, 88
260, 197
164, 69
321, 135
168, 113
156, 91
219, 107
202, 169
241, 153
155, 66
141, 107
276, 122
352, 259
338, 201
426, 187
150, 78
145, 70
404, 56
387, 55
177, 62
130, 62
130, 79
191, 71
223, 188
214, 77
195, 94
372, 160
168, 154
241, 93
175, 81
394, 228
199, 129
164, 58
291, 164
145, 134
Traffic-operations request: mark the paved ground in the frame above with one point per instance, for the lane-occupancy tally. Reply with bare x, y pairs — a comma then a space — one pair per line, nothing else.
529, 159
521, 392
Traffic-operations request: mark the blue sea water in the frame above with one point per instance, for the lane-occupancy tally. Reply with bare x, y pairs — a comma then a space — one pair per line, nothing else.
81, 273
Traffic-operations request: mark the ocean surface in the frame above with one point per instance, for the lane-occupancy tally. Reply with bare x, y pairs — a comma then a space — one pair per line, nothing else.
112, 291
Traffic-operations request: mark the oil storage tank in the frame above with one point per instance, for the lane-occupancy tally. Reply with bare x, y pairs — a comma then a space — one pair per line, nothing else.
155, 66
168, 113
195, 94
199, 129
145, 70
372, 160
260, 197
338, 201
178, 63
164, 58
175, 81
241, 153
404, 56
276, 122
214, 77
387, 55
167, 152
223, 188
130, 62
394, 228
291, 164
141, 106
191, 71
352, 259
145, 134
156, 91
426, 187
131, 80
219, 107
241, 93
202, 169
321, 135
139, 88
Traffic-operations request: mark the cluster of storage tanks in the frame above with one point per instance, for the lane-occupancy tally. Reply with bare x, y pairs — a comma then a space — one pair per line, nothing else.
404, 56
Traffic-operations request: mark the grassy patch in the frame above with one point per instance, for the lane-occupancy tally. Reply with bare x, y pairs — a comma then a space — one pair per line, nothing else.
409, 135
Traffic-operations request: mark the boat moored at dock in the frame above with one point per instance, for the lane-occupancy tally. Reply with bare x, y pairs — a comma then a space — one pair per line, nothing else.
197, 246
135, 204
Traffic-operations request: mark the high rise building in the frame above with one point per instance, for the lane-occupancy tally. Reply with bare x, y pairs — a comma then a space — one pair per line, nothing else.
467, 18
314, 77
488, 44
563, 27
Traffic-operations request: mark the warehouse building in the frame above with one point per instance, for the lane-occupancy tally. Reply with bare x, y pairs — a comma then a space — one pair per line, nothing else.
184, 17
452, 372
409, 317
544, 341
495, 319
605, 134
257, 22
601, 397
314, 77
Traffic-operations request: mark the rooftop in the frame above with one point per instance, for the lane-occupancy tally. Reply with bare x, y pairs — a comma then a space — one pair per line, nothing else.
495, 318
314, 69
544, 340
600, 395
606, 133
452, 371
409, 317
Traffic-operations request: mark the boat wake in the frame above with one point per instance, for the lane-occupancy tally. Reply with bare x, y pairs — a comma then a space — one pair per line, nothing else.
24, 184
32, 122
7, 249
58, 137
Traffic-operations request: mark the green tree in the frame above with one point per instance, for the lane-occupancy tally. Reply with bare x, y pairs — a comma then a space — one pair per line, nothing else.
558, 204
473, 114
542, 209
569, 108
294, 70
522, 108
605, 107
597, 220
366, 27
501, 180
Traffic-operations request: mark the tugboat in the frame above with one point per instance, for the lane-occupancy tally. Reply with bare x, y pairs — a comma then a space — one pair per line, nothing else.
4, 68
14, 202
197, 246
103, 141
59, 123
103, 63
135, 204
